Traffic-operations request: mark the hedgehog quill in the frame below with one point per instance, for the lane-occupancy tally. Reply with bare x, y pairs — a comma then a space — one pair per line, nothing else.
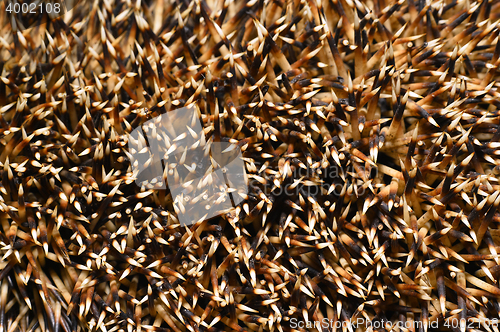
370, 132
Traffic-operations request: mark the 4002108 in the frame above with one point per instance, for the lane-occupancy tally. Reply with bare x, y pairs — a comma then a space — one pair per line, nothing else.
33, 8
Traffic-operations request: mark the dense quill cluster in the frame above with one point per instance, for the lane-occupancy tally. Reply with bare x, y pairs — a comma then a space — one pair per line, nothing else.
371, 134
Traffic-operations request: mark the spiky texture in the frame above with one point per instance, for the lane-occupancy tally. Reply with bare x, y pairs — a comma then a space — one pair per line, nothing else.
372, 145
